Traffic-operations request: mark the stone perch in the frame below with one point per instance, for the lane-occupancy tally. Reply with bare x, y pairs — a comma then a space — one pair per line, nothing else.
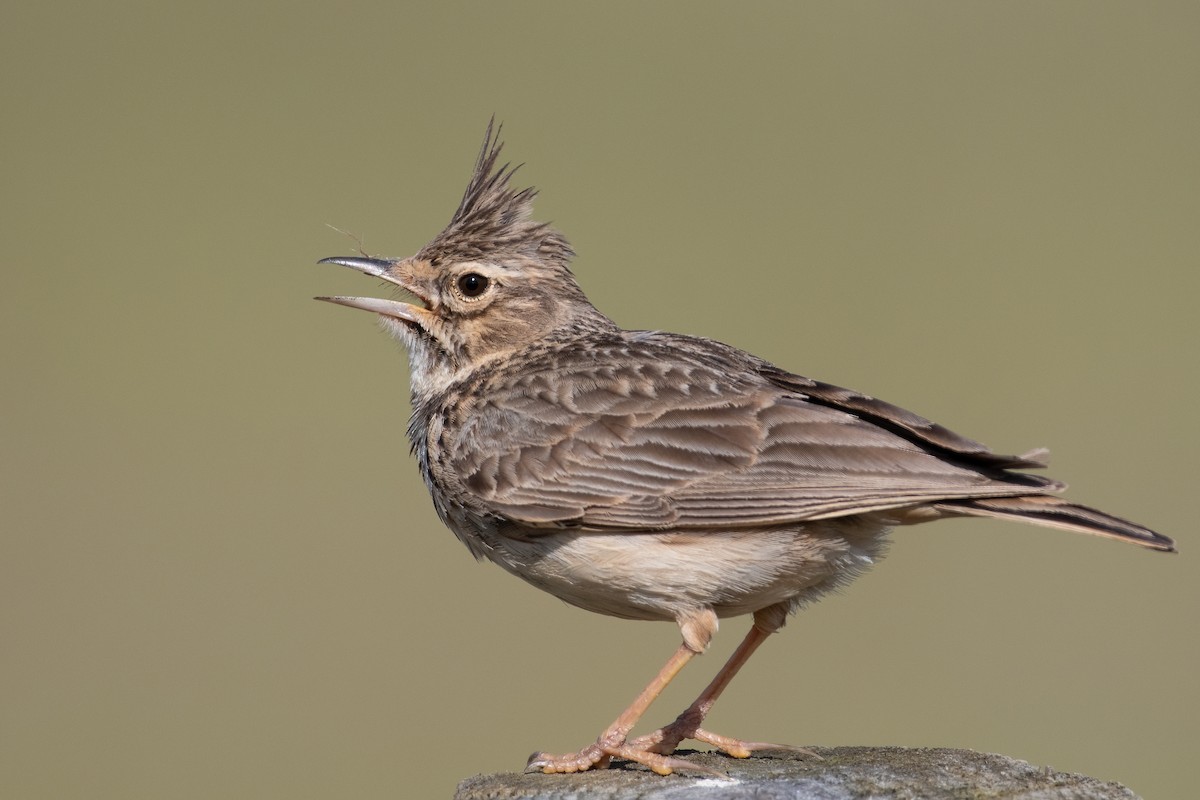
845, 773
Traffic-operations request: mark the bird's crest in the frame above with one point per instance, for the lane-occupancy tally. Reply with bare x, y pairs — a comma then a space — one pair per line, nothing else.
493, 219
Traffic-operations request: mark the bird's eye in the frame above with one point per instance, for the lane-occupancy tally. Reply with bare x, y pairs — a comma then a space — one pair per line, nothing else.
472, 284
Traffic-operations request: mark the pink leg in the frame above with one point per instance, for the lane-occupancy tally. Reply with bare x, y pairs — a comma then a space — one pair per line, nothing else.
612, 742
687, 725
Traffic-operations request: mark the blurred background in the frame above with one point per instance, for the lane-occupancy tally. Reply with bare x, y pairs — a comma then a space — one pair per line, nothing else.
220, 575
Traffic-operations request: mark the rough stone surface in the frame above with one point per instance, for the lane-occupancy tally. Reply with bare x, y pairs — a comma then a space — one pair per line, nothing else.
844, 773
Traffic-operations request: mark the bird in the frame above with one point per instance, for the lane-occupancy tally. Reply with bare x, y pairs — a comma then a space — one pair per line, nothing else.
649, 475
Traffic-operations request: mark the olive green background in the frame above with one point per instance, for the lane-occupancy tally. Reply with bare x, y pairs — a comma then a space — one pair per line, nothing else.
220, 574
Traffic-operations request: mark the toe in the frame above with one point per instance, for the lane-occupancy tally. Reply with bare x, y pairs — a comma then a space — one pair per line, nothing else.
743, 749
663, 765
591, 757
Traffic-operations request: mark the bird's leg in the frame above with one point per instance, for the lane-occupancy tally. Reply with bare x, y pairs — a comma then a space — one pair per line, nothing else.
612, 741
687, 725
697, 631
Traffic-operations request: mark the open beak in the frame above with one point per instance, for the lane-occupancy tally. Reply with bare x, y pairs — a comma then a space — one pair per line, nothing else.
378, 268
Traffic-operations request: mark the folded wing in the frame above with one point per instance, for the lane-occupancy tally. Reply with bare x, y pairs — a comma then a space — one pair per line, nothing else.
674, 440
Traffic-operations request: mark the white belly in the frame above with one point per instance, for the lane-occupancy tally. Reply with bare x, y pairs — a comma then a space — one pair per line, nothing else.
658, 576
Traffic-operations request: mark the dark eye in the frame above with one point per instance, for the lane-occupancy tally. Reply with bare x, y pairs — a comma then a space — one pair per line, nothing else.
472, 284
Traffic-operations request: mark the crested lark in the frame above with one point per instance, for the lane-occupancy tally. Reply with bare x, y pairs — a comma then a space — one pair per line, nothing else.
648, 475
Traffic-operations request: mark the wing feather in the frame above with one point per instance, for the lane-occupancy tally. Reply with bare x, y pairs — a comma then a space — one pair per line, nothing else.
661, 438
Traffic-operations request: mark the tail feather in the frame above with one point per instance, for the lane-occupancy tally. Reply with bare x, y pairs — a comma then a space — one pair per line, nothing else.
1056, 513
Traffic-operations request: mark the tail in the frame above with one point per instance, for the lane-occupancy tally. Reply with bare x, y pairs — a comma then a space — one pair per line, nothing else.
1055, 513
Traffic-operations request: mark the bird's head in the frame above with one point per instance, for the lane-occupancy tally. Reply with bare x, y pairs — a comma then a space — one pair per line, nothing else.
492, 283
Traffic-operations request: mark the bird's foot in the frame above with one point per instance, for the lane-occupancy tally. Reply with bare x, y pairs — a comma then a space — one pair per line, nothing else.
600, 754
666, 739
